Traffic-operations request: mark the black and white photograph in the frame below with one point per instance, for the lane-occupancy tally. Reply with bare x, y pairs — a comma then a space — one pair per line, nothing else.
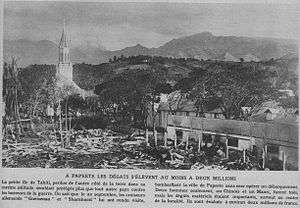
150, 85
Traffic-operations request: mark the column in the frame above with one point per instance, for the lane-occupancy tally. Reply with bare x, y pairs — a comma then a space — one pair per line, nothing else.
227, 154
166, 137
175, 140
213, 137
283, 161
147, 137
187, 143
199, 140
155, 137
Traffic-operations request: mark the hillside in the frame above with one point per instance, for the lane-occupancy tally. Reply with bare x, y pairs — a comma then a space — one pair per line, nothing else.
173, 70
200, 46
30, 52
205, 45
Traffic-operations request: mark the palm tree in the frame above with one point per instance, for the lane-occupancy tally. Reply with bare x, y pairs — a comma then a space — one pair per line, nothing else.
11, 89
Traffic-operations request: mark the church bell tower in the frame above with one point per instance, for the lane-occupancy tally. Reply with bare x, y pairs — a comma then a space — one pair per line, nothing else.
64, 67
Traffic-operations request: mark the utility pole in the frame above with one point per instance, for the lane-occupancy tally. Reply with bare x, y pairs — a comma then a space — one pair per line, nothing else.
60, 123
66, 115
200, 136
70, 124
153, 123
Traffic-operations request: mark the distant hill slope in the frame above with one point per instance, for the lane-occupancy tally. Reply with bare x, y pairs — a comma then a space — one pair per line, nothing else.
30, 52
209, 46
200, 46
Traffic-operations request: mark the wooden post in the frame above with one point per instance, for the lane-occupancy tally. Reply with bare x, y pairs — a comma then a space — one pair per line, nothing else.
199, 141
60, 124
200, 136
265, 149
284, 161
227, 154
147, 137
187, 143
213, 138
66, 115
175, 141
166, 138
244, 155
153, 123
155, 137
70, 124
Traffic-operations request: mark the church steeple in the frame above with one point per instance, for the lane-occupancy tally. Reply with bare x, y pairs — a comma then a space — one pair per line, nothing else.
64, 53
64, 62
63, 40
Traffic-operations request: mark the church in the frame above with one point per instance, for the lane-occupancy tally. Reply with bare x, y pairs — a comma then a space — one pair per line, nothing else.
64, 67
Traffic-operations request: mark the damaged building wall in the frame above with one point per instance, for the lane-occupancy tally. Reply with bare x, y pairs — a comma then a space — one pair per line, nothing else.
258, 136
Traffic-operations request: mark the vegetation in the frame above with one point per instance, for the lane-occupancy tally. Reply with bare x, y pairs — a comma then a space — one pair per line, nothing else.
128, 88
131, 95
229, 87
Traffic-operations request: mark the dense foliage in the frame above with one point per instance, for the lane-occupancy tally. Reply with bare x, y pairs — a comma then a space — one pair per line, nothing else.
132, 94
128, 88
229, 87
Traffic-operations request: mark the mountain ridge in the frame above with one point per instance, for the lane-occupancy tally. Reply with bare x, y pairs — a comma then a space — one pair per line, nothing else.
203, 45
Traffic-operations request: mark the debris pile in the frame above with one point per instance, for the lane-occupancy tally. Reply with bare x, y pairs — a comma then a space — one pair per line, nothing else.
97, 149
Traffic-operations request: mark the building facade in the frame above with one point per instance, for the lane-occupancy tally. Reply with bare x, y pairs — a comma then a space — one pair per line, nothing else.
269, 140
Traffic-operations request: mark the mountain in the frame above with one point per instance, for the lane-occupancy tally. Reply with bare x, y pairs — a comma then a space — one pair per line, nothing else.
207, 46
46, 52
30, 52
200, 46
132, 51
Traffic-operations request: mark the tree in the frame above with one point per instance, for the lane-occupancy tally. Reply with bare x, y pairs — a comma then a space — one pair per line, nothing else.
38, 89
230, 87
11, 91
133, 94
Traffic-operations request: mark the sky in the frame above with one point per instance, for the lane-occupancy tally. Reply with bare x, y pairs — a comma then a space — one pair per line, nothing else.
118, 25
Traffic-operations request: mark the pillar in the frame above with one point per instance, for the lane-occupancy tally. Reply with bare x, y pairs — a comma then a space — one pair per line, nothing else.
283, 161
227, 154
166, 138
213, 138
70, 124
60, 125
175, 141
66, 118
147, 137
155, 137
199, 141
265, 150
187, 143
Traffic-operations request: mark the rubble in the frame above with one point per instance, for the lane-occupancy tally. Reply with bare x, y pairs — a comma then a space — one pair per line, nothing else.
106, 149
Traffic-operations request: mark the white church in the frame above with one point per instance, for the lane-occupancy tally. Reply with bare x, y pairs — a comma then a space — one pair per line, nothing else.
64, 67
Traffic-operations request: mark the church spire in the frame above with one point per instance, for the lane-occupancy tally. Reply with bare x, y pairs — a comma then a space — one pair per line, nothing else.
64, 62
63, 40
